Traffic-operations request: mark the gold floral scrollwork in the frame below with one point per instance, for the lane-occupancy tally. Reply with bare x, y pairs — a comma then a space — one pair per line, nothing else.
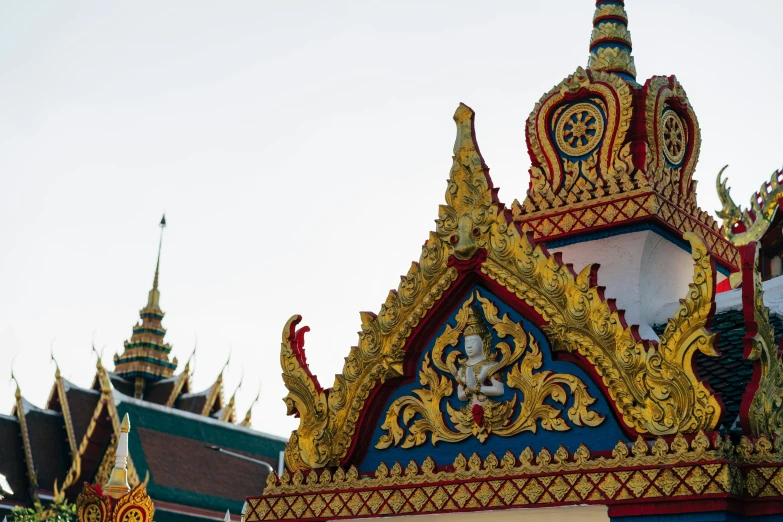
670, 133
653, 393
92, 506
484, 416
136, 506
475, 232
765, 414
578, 130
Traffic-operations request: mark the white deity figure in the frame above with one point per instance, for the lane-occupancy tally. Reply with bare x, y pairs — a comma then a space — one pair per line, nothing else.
474, 385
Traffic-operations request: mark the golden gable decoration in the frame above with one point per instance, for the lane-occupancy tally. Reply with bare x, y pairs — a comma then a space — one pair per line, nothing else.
653, 392
482, 417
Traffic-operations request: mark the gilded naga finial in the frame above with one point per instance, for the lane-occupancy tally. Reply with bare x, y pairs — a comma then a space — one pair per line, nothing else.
246, 423
18, 392
610, 42
118, 486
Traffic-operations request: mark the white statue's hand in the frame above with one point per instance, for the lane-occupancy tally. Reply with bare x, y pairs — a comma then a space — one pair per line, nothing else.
470, 378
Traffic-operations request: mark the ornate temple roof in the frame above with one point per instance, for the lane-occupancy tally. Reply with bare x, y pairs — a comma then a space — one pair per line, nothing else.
610, 155
178, 433
146, 357
500, 376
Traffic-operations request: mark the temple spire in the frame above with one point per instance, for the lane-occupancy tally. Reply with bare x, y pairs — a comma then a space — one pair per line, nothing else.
610, 42
154, 297
145, 358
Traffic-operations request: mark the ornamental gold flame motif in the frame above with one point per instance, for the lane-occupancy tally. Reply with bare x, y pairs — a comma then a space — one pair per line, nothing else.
479, 377
654, 391
92, 505
765, 414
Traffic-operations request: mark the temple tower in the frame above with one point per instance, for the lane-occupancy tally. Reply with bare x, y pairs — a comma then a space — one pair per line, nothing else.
146, 355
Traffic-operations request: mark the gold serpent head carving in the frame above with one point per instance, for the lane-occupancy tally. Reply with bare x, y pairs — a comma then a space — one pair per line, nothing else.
765, 414
757, 218
471, 200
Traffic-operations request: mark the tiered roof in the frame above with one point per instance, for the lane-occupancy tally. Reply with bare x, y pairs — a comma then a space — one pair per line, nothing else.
146, 356
52, 450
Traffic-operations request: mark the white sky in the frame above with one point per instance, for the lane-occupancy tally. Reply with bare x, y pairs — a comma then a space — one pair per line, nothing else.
300, 152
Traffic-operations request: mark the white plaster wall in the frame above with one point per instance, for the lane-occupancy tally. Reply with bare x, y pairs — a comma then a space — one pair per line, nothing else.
642, 270
732, 300
553, 514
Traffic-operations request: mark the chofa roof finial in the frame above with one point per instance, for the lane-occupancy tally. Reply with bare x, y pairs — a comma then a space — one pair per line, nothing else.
51, 356
18, 393
249, 415
610, 42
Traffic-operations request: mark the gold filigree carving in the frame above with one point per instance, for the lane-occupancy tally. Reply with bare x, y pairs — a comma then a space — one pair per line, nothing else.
549, 179
612, 31
639, 454
610, 10
675, 137
664, 93
686, 331
136, 506
708, 467
579, 129
492, 416
765, 414
612, 59
652, 395
91, 506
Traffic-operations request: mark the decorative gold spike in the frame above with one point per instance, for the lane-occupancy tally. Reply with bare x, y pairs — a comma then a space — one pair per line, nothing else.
246, 423
118, 486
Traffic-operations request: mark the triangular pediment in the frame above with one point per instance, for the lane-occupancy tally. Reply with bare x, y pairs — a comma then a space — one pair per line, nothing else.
400, 393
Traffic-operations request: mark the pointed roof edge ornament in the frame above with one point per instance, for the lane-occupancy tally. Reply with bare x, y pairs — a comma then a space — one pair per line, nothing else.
99, 356
192, 358
239, 386
118, 486
18, 392
246, 423
225, 366
610, 41
51, 356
